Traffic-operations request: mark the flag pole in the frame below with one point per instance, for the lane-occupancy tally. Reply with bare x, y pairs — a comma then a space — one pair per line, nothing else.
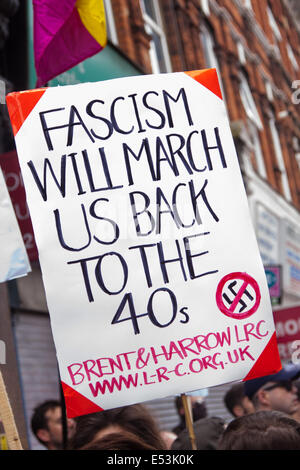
188, 419
11, 432
64, 418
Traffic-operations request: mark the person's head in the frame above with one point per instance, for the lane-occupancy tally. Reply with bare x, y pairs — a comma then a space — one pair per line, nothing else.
276, 391
134, 418
236, 402
197, 404
262, 430
296, 413
119, 441
297, 385
47, 426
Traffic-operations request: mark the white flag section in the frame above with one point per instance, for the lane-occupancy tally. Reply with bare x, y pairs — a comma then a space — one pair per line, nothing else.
14, 261
151, 268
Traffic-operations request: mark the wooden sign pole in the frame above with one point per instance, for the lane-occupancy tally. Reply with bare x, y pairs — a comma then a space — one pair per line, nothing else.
189, 420
8, 420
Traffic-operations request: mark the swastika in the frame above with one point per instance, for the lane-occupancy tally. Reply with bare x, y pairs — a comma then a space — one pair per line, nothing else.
238, 295
233, 291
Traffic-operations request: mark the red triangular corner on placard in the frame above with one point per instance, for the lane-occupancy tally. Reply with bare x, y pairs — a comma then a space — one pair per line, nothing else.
20, 104
270, 355
207, 78
77, 404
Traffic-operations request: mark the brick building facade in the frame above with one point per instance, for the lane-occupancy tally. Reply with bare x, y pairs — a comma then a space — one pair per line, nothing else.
255, 46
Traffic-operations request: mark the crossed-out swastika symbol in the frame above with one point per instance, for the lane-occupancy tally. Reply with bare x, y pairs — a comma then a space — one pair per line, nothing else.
241, 301
240, 294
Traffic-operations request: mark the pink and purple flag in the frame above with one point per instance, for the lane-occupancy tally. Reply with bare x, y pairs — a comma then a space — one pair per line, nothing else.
66, 32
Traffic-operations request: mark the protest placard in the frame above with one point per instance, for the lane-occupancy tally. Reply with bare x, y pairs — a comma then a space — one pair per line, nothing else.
273, 273
11, 170
14, 261
151, 268
287, 325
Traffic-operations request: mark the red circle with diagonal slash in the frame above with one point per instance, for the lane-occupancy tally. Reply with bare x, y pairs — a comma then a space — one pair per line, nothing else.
247, 280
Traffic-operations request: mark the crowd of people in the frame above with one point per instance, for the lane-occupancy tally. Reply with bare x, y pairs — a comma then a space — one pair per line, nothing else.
265, 416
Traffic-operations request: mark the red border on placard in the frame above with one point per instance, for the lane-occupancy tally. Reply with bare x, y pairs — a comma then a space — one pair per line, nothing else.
268, 362
77, 404
20, 104
207, 78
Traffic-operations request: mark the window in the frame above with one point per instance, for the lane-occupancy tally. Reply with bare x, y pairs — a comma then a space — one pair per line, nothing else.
254, 136
273, 24
110, 23
210, 57
248, 102
292, 57
296, 147
241, 52
159, 54
247, 3
280, 160
208, 46
205, 7
269, 90
254, 124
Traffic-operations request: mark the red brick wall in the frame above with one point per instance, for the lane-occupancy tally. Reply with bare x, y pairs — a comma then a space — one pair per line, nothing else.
183, 20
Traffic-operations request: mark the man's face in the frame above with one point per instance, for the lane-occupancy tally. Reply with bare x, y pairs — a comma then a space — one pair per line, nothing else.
247, 406
244, 407
280, 396
53, 436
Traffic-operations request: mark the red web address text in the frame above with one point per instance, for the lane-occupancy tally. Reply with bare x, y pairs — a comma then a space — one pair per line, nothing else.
192, 355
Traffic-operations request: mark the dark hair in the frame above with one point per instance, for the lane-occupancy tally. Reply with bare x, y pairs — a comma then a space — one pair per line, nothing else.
202, 410
39, 420
262, 430
134, 418
296, 383
234, 396
119, 441
178, 403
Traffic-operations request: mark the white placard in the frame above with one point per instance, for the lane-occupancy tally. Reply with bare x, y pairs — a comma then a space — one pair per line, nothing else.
14, 261
151, 268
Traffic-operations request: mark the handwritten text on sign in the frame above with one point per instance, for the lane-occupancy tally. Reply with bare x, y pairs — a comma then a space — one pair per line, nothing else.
140, 214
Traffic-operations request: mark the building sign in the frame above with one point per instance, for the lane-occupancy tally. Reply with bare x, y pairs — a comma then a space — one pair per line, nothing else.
153, 278
13, 178
287, 323
14, 260
273, 274
290, 256
268, 234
